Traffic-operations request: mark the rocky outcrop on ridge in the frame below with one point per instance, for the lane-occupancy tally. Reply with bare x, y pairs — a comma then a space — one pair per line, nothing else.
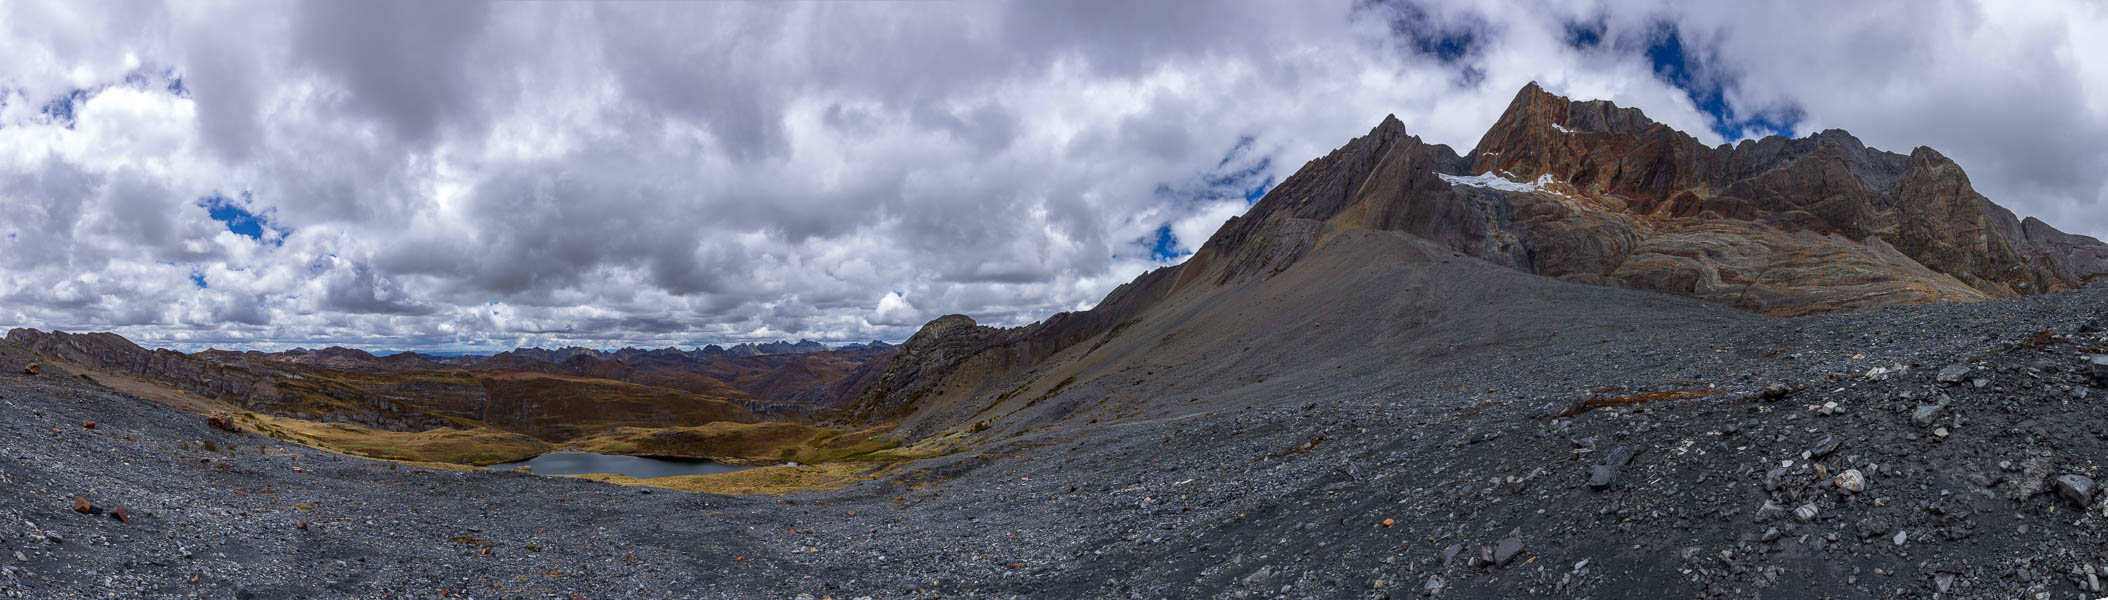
257, 388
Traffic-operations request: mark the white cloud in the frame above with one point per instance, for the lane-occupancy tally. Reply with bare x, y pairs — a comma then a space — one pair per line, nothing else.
690, 173
894, 310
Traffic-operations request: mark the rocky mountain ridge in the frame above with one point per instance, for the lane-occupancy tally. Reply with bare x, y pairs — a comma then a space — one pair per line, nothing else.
1581, 191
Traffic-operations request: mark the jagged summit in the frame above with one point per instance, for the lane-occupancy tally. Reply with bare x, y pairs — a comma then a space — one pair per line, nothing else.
1593, 192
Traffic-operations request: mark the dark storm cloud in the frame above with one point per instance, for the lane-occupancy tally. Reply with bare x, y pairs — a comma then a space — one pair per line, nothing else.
483, 175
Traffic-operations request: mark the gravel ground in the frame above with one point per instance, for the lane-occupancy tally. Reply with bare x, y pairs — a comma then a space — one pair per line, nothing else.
1350, 486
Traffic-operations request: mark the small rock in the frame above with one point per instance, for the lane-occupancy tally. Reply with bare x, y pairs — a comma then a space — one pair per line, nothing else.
1943, 582
2076, 488
1806, 512
2100, 366
1940, 432
1506, 550
528, 469
1772, 478
1602, 474
222, 422
1483, 559
1953, 373
1980, 382
1901, 537
1770, 510
1824, 447
1434, 585
1827, 409
35, 368
1449, 555
1926, 414
119, 514
1851, 481
81, 505
88, 425
1771, 534
1775, 391
19, 557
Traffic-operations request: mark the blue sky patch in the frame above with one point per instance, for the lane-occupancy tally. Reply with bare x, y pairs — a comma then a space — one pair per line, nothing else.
1689, 70
1252, 196
1165, 246
61, 109
1423, 34
243, 221
198, 279
1586, 36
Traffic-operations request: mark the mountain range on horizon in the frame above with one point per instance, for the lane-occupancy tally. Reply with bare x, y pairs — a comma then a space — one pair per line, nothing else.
802, 346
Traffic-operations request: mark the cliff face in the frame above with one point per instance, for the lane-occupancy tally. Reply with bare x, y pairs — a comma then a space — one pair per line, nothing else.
1591, 192
1584, 191
1779, 226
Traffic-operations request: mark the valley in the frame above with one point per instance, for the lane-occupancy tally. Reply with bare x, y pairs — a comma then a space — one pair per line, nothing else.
1590, 358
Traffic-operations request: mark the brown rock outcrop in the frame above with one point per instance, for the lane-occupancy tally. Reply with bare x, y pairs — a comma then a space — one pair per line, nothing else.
222, 422
1775, 225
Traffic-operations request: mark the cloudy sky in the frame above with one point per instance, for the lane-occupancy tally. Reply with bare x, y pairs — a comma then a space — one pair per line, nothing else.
455, 175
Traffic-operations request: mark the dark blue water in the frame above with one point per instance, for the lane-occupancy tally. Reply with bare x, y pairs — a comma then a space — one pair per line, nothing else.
577, 463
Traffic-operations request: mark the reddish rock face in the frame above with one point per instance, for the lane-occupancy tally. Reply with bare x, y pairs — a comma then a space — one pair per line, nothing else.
1780, 226
1595, 193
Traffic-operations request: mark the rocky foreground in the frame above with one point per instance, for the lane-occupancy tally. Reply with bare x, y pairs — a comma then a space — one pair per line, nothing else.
1955, 450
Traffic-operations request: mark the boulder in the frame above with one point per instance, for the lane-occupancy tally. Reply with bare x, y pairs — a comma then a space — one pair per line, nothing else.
81, 505
2100, 366
33, 369
222, 422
